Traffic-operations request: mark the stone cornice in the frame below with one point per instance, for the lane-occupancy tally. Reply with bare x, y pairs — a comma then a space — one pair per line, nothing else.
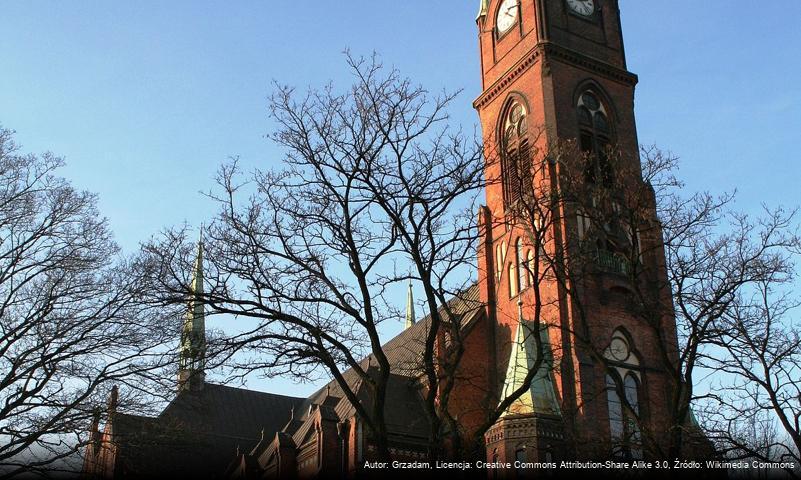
588, 63
550, 50
500, 84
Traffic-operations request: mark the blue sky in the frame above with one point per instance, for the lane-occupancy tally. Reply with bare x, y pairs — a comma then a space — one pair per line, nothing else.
145, 99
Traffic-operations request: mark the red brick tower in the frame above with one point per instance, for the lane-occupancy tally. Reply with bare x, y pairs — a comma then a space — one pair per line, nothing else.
555, 70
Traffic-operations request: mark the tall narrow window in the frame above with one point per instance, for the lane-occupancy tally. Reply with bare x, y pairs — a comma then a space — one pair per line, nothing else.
522, 269
624, 416
498, 261
516, 158
530, 266
512, 279
615, 415
594, 138
633, 437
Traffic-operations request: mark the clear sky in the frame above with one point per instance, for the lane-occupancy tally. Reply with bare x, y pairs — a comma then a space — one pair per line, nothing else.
145, 99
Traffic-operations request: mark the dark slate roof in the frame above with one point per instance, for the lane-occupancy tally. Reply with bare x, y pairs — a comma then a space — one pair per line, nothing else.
404, 352
137, 433
405, 415
230, 413
199, 431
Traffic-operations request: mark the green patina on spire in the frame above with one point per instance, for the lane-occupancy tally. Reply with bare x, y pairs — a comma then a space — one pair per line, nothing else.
193, 335
483, 8
540, 397
409, 307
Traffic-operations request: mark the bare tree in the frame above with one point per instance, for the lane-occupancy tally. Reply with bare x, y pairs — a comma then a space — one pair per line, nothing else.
762, 357
688, 260
70, 322
712, 266
378, 190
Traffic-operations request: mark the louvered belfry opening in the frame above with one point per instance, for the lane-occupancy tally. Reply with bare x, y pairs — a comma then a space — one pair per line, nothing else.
516, 158
595, 138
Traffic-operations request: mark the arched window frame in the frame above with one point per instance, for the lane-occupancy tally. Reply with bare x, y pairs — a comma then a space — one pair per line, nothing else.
498, 262
500, 258
615, 413
522, 266
624, 377
516, 150
512, 278
530, 259
596, 133
631, 389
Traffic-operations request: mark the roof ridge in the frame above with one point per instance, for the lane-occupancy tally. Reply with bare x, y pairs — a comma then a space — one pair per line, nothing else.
468, 294
220, 385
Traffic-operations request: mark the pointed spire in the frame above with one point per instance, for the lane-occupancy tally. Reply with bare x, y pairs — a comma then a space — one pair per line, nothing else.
540, 397
197, 277
94, 431
483, 9
95, 420
192, 364
196, 312
410, 306
113, 399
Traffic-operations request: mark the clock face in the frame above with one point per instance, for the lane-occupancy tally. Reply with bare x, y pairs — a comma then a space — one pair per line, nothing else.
582, 7
507, 15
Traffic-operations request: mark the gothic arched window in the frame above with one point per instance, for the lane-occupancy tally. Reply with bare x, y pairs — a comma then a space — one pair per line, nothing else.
516, 153
530, 264
615, 407
512, 279
522, 268
498, 262
624, 417
631, 387
595, 137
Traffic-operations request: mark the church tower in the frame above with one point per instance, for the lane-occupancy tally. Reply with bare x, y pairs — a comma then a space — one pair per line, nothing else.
192, 349
554, 73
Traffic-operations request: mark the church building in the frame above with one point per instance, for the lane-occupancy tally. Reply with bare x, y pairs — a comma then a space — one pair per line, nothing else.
551, 71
